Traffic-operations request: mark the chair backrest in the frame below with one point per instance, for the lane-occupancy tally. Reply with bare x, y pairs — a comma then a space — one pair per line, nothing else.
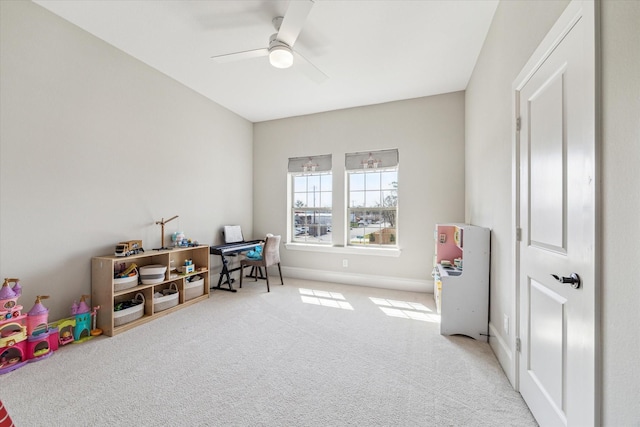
271, 251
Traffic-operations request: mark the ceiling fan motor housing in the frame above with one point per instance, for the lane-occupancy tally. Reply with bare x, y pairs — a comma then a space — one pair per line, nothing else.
280, 54
280, 47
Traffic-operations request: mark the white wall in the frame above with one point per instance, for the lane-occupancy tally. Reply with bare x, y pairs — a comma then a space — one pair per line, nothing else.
621, 211
95, 147
429, 134
517, 29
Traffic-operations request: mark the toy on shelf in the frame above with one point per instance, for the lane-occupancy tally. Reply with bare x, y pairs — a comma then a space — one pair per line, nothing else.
130, 247
177, 238
180, 241
127, 272
162, 223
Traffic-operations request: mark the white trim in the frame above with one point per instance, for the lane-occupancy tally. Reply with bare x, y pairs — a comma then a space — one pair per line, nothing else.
351, 250
502, 351
512, 368
373, 281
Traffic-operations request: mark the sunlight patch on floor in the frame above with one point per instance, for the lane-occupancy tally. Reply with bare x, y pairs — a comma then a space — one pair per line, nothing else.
406, 310
324, 298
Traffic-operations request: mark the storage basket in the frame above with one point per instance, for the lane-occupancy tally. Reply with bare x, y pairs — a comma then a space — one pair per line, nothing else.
169, 299
125, 282
130, 314
193, 288
152, 274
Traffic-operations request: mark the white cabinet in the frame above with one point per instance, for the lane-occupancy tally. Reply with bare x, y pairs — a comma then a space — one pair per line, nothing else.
461, 279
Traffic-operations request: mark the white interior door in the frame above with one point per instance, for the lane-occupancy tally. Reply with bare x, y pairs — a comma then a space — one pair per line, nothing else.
555, 100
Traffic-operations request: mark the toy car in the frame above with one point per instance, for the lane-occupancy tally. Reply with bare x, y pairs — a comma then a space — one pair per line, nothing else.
130, 247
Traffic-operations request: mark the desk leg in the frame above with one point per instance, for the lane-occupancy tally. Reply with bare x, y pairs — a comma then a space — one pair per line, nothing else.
225, 272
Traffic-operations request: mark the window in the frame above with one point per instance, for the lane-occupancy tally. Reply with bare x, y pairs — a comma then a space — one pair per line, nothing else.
372, 213
311, 199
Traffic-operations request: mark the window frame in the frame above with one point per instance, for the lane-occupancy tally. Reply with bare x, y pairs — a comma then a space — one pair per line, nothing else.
311, 232
353, 212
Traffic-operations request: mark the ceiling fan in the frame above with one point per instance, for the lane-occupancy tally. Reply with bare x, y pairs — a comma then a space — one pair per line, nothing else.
280, 49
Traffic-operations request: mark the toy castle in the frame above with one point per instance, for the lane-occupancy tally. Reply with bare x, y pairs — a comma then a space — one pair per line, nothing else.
30, 337
23, 337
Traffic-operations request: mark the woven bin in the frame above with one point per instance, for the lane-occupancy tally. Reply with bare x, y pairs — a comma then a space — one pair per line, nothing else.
152, 274
130, 314
170, 299
193, 289
125, 282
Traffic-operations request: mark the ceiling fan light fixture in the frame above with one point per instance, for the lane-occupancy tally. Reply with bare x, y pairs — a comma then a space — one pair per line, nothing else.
281, 56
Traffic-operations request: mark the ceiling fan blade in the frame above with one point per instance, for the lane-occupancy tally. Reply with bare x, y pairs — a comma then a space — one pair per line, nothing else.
239, 56
293, 21
310, 70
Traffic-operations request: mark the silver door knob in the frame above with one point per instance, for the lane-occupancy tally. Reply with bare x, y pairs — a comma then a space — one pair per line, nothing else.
573, 280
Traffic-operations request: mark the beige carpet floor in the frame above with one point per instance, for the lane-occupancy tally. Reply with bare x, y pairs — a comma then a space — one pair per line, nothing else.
305, 354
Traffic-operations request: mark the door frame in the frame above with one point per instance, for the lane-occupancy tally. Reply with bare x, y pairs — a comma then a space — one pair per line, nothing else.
573, 12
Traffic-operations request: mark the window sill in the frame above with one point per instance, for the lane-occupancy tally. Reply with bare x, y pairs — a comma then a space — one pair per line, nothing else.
375, 251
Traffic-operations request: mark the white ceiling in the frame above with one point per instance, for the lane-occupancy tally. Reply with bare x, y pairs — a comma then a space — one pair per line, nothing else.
373, 51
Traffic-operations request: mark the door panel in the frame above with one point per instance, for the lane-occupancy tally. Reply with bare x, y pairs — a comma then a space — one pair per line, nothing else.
547, 164
546, 342
544, 106
555, 100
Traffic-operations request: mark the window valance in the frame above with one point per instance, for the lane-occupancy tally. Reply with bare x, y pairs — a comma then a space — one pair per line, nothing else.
310, 164
371, 159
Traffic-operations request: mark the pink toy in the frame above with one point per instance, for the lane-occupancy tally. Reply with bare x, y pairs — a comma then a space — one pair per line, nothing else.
37, 317
23, 337
42, 341
9, 307
29, 337
13, 331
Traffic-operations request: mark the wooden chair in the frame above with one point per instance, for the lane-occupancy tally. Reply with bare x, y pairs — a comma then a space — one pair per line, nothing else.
270, 256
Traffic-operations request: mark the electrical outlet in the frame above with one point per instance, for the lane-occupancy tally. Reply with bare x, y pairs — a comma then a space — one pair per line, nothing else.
345, 263
505, 325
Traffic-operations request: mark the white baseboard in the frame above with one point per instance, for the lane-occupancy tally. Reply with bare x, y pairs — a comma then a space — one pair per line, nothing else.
384, 282
503, 353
